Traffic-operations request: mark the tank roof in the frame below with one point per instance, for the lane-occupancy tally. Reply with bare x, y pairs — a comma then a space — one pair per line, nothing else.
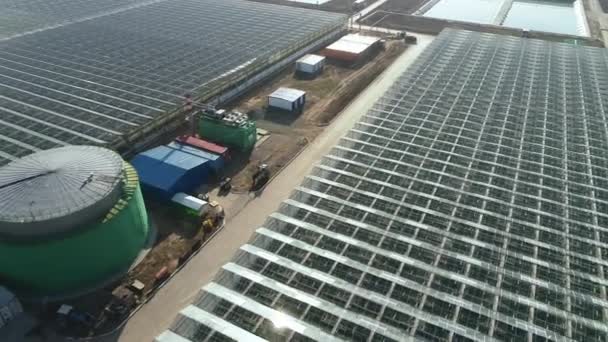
55, 190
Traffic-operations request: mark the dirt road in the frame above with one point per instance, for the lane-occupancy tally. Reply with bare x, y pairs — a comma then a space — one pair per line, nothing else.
157, 315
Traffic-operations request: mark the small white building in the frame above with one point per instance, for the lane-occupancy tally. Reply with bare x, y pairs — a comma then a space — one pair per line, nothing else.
351, 48
310, 65
288, 99
10, 308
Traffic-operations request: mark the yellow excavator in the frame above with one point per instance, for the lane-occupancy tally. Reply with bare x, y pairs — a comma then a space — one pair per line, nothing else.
212, 218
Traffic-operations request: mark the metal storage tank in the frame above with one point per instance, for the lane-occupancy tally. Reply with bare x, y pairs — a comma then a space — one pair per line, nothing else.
234, 130
70, 219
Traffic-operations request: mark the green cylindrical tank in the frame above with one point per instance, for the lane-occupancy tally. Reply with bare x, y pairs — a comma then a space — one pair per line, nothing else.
241, 136
66, 260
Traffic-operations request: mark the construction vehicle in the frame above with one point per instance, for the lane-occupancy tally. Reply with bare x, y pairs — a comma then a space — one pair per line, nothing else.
411, 40
216, 213
213, 219
200, 211
260, 177
225, 186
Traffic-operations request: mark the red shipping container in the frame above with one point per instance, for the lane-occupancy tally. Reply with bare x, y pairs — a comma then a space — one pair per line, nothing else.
203, 145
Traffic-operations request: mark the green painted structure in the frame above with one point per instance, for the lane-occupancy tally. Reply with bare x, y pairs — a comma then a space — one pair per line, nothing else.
241, 136
85, 257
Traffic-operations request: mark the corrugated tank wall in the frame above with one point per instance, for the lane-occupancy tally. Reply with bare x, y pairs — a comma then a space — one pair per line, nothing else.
83, 260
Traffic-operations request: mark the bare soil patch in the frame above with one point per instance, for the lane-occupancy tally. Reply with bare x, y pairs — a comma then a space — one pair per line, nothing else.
326, 96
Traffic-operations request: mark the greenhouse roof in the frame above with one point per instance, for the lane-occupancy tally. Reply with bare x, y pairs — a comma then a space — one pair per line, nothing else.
469, 204
99, 73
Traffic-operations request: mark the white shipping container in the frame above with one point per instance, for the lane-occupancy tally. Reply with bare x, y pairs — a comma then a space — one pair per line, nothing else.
310, 64
287, 99
190, 202
279, 103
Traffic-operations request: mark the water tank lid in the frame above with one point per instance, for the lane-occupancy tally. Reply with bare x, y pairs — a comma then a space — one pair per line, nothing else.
40, 188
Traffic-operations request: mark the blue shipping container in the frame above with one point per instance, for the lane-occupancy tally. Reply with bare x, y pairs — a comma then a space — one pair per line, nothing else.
166, 170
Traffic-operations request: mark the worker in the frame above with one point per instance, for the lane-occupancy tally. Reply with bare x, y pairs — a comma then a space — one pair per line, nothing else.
207, 227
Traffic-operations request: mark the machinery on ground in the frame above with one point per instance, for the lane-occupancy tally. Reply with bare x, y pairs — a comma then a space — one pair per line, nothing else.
213, 219
260, 177
209, 215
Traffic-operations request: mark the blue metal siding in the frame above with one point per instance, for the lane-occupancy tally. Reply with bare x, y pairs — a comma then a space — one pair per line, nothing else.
167, 170
216, 161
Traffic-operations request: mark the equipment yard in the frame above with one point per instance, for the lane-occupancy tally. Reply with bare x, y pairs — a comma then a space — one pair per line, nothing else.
176, 236
303, 170
327, 95
155, 315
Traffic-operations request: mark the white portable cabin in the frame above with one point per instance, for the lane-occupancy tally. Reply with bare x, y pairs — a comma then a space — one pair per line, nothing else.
351, 48
288, 99
10, 307
311, 65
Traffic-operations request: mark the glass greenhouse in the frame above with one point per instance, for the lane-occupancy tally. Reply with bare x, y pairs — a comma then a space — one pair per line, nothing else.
470, 204
112, 72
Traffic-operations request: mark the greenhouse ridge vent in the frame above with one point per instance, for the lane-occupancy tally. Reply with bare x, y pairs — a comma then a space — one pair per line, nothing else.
470, 203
